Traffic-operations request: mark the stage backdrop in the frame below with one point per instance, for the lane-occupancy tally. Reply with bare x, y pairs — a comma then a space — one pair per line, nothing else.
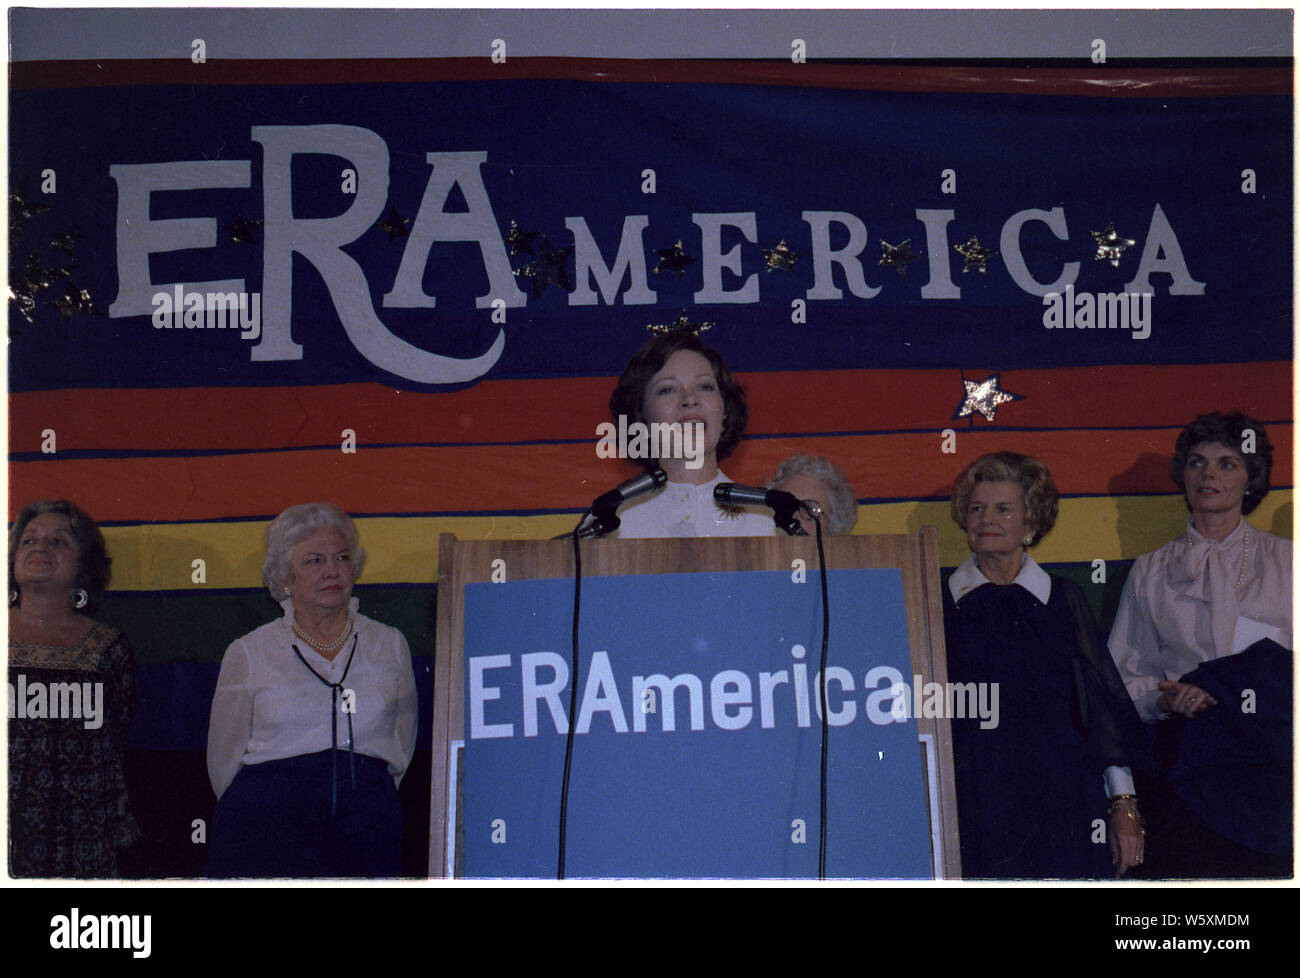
431, 271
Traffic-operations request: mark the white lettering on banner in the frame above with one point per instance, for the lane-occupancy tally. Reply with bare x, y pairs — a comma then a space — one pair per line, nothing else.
138, 236
714, 260
1011, 254
731, 698
477, 224
931, 700
630, 261
321, 242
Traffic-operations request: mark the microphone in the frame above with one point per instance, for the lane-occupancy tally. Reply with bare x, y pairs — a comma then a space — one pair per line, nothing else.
642, 484
604, 518
783, 504
732, 494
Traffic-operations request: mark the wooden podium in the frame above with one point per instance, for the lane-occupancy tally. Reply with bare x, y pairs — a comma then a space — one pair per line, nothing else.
462, 564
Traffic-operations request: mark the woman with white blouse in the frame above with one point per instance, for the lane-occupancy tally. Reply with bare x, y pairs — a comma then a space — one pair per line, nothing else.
1204, 607
676, 379
313, 720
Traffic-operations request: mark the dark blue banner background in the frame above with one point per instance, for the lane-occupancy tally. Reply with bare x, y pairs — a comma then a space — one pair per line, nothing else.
559, 149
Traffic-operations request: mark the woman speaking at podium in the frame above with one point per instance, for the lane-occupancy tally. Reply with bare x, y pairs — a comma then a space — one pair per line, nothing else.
676, 379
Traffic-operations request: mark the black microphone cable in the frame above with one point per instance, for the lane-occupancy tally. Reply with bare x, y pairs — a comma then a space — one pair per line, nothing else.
821, 692
573, 693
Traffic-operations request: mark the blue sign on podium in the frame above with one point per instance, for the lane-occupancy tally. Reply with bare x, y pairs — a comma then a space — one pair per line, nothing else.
698, 731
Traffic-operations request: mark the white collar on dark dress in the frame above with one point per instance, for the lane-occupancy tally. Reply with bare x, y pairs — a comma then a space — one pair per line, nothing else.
1032, 578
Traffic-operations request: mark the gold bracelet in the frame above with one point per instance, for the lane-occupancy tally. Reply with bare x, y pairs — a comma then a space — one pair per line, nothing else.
1127, 805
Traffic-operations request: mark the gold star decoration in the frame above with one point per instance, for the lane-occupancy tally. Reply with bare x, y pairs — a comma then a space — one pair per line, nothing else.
26, 303
681, 324
548, 269
975, 256
242, 231
45, 276
21, 209
673, 259
984, 397
74, 300
67, 241
394, 224
780, 257
520, 242
36, 277
897, 256
1110, 246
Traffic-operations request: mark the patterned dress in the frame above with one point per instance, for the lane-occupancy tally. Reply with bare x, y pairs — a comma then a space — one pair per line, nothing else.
67, 736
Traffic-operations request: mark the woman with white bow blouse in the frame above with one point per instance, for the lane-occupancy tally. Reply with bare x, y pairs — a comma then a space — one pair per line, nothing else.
1198, 613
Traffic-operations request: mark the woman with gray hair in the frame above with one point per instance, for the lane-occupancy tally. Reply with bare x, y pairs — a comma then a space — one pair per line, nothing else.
813, 479
313, 720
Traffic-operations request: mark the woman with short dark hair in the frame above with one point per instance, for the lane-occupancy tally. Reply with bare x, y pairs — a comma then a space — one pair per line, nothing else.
675, 379
73, 682
1213, 607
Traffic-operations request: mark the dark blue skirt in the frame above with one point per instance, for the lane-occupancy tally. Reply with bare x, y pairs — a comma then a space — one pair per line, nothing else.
276, 820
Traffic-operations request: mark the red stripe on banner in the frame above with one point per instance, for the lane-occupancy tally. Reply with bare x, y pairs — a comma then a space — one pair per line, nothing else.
1114, 80
539, 478
1074, 397
514, 411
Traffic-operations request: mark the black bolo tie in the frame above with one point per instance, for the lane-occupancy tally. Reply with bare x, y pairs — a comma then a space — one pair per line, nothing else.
336, 690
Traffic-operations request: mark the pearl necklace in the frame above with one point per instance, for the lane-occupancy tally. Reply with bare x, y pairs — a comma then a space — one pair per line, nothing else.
333, 646
1245, 554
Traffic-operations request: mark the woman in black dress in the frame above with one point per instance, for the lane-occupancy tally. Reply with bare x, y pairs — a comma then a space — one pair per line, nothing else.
1032, 788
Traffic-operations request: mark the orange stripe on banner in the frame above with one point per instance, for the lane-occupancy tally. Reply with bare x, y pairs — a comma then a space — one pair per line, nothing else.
511, 411
541, 478
1029, 79
914, 466
1069, 397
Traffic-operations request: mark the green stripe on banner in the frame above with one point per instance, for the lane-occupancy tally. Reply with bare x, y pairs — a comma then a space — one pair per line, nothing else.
199, 626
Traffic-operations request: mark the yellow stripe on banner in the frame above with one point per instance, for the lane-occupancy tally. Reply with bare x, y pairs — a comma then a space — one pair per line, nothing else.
1087, 528
403, 550
399, 550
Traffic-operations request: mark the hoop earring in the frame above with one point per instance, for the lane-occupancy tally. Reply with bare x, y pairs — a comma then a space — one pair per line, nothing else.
80, 598
13, 597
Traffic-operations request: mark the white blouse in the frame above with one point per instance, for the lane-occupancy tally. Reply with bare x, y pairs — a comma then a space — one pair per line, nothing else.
268, 706
680, 509
1197, 599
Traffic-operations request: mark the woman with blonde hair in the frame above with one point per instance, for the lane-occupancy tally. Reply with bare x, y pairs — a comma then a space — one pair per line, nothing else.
1032, 785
